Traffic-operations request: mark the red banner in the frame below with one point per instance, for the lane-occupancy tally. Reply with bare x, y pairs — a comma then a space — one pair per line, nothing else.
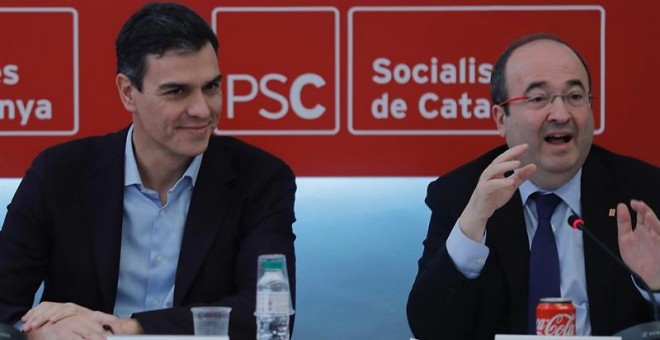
279, 86
420, 77
335, 88
39, 73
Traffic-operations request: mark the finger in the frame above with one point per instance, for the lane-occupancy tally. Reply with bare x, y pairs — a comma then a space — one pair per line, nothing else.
56, 312
623, 221
505, 162
523, 174
646, 216
84, 326
33, 311
50, 312
511, 183
66, 310
103, 318
37, 316
497, 170
59, 315
512, 153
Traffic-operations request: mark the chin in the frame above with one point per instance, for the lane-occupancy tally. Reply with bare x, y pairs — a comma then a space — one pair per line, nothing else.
194, 150
561, 169
561, 164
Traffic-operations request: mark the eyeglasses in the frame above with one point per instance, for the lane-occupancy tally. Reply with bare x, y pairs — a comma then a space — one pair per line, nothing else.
576, 99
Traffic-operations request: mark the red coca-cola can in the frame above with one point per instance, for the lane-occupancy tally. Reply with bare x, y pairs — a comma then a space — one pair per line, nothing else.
555, 316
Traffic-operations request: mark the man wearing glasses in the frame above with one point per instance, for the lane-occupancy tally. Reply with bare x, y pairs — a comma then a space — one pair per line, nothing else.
483, 269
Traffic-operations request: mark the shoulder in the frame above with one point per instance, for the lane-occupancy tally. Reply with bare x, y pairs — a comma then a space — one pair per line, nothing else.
82, 152
243, 157
620, 167
625, 177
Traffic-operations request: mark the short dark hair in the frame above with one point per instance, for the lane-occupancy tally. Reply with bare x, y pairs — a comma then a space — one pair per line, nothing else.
156, 29
498, 90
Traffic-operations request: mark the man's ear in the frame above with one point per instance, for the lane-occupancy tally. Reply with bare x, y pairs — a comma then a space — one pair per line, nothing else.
499, 116
126, 92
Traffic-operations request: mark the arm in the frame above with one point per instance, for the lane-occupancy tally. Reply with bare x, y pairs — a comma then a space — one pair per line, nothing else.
269, 219
443, 301
24, 245
25, 251
259, 221
439, 302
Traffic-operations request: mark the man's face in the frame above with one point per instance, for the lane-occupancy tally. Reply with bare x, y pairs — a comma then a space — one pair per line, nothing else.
559, 135
178, 108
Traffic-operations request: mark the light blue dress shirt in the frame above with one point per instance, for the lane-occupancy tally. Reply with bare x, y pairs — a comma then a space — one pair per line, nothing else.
151, 238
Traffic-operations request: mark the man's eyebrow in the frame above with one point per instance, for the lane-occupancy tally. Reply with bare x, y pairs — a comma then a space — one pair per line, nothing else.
170, 86
542, 84
217, 79
175, 85
536, 85
576, 82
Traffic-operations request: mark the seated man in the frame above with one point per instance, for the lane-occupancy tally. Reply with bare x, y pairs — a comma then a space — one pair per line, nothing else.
127, 231
478, 275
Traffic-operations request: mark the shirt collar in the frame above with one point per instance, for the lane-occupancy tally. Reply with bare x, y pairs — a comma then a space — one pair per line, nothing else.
132, 174
569, 192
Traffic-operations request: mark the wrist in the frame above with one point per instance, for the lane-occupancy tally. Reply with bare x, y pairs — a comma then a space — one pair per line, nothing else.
472, 228
131, 326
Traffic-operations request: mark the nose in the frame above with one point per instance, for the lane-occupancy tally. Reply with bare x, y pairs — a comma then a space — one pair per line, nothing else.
559, 110
198, 105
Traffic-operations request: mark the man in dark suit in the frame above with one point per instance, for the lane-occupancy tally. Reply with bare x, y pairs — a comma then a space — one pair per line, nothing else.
129, 230
474, 274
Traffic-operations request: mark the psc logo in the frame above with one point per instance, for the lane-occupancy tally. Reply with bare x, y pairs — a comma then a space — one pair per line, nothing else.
279, 79
292, 98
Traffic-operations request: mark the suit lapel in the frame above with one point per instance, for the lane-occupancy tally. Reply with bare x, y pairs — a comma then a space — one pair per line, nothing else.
597, 198
506, 229
102, 192
208, 206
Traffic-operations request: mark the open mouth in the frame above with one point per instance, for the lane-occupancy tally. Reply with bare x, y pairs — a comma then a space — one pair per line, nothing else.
558, 139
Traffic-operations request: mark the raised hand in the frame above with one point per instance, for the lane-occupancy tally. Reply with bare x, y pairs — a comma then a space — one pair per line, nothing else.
494, 190
640, 248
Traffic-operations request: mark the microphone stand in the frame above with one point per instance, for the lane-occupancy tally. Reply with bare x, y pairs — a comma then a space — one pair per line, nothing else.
647, 330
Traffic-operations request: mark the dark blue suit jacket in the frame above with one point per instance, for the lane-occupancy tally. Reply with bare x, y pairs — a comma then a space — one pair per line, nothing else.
63, 226
444, 304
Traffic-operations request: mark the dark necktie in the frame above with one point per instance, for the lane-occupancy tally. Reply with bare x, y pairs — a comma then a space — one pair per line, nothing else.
543, 257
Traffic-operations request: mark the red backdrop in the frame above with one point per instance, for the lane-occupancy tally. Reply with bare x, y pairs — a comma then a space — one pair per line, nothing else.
335, 88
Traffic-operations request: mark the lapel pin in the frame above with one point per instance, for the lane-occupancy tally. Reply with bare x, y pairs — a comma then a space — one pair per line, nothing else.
612, 212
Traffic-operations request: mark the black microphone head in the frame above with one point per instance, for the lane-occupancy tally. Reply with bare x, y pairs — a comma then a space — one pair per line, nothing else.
575, 222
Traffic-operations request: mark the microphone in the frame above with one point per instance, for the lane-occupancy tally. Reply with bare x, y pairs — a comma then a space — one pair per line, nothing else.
648, 330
